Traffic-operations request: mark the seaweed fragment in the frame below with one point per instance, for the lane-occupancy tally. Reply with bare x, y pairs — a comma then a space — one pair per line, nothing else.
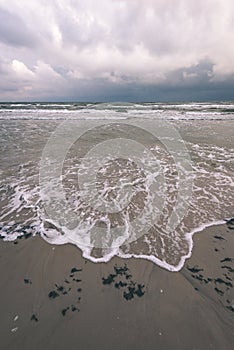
74, 269
64, 311
219, 238
74, 308
230, 223
139, 291
128, 276
64, 288
59, 288
226, 260
194, 269
131, 288
221, 281
27, 235
219, 291
227, 277
230, 307
110, 279
53, 294
119, 270
128, 295
120, 284
228, 268
198, 277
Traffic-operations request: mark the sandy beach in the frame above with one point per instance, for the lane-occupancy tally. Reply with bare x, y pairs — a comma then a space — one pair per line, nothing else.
52, 298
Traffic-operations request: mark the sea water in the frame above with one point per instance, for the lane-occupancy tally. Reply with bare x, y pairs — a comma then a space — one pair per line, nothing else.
117, 179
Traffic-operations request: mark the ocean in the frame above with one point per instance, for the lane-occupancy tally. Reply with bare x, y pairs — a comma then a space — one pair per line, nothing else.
117, 179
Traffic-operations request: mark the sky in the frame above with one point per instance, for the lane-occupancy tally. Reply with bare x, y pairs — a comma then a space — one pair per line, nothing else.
116, 50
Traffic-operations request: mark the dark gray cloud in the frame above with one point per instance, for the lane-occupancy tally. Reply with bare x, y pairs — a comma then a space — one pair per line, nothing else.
198, 74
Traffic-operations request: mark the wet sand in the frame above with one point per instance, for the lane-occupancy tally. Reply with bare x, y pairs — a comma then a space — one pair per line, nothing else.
52, 298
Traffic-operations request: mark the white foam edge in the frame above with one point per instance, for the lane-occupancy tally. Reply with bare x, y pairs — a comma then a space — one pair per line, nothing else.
116, 252
189, 238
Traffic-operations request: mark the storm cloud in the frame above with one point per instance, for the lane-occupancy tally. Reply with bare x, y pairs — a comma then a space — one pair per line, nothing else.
116, 50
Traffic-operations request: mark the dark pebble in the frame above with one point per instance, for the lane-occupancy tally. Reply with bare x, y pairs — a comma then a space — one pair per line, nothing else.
34, 318
27, 281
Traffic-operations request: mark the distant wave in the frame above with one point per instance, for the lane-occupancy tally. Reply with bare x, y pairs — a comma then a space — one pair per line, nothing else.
167, 111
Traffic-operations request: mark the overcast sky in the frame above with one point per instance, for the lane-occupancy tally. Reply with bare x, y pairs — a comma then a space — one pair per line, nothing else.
112, 50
